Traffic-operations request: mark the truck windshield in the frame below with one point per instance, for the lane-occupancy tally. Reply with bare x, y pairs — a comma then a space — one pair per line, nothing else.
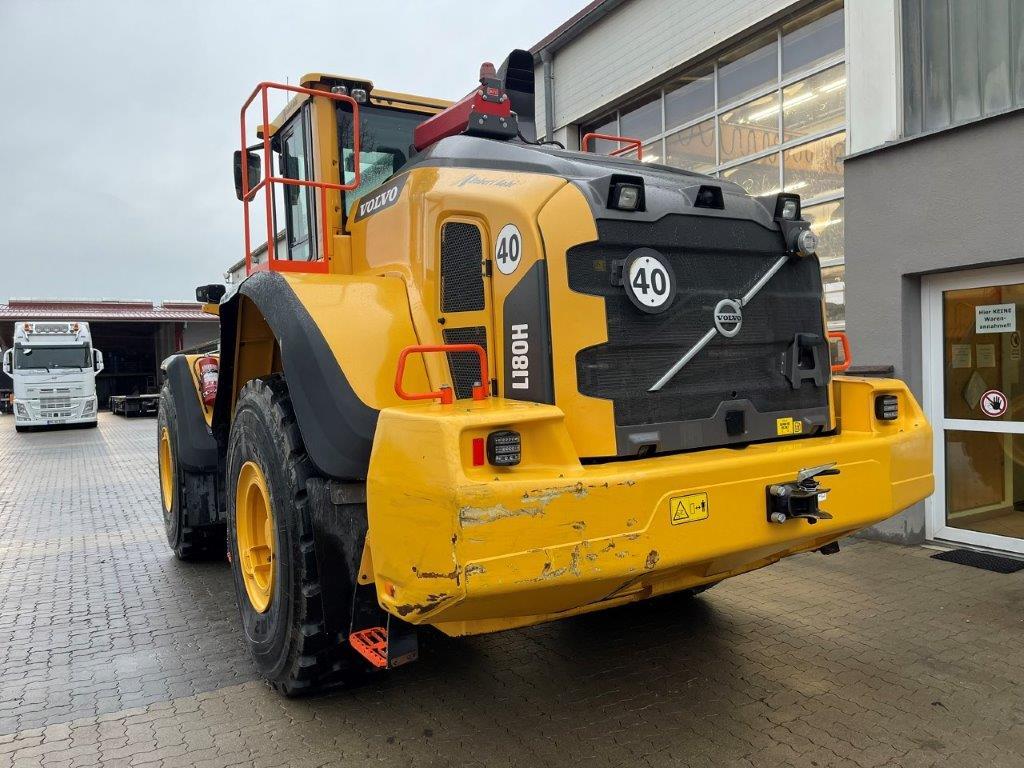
28, 356
385, 143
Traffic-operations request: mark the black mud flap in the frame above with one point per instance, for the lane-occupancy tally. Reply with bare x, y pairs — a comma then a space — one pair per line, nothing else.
383, 640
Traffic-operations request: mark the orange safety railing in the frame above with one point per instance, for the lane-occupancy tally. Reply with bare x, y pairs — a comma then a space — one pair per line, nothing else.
269, 180
844, 342
630, 143
445, 394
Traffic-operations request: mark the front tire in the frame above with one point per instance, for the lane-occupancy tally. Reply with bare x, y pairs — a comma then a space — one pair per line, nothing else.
285, 599
188, 500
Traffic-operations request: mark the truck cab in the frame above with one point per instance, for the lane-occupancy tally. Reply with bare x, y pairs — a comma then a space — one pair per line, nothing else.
53, 366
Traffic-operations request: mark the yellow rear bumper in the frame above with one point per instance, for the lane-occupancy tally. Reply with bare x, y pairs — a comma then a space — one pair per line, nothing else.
480, 549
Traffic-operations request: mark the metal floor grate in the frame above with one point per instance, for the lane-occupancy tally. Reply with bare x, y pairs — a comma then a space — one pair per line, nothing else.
983, 560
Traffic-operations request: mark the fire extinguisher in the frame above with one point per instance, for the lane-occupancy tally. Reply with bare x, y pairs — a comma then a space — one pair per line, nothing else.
209, 369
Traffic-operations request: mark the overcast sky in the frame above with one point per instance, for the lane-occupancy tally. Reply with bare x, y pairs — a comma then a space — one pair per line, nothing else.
118, 119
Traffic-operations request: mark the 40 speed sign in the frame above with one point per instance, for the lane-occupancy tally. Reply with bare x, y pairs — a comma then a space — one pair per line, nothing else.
649, 280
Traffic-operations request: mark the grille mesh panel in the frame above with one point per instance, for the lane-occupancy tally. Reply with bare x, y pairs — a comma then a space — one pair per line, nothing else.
641, 347
462, 280
465, 366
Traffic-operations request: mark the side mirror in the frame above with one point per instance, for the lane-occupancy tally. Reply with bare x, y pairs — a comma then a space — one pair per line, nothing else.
210, 294
9, 361
253, 161
97, 360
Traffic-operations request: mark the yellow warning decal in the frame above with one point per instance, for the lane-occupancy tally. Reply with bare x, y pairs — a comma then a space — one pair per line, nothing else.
688, 508
788, 426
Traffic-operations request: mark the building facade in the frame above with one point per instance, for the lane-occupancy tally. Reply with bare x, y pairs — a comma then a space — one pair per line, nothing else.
900, 124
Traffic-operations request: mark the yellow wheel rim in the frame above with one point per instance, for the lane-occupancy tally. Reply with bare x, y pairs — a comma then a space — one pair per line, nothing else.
254, 530
166, 470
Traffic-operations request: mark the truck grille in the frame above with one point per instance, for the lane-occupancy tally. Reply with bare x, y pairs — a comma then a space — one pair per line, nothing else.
54, 403
642, 347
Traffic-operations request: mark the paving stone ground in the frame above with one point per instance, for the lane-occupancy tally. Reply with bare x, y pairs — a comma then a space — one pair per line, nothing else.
113, 653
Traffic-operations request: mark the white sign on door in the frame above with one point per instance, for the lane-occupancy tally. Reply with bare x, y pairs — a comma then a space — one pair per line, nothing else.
995, 318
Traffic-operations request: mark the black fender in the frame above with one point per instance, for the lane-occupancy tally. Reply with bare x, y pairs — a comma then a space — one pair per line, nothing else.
337, 427
197, 447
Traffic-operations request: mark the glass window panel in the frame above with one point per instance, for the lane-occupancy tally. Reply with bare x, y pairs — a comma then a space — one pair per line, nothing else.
813, 37
966, 93
815, 169
692, 148
984, 482
653, 152
910, 27
689, 96
815, 104
833, 281
748, 68
608, 126
995, 55
750, 128
977, 362
935, 79
758, 177
642, 119
827, 222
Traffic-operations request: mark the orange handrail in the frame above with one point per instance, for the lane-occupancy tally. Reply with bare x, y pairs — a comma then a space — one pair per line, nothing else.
445, 394
628, 140
844, 341
268, 181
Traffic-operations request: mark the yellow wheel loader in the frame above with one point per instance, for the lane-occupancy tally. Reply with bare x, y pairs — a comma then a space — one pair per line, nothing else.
476, 381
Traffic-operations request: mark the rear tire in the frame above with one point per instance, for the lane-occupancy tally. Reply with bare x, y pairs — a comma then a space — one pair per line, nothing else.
188, 500
297, 629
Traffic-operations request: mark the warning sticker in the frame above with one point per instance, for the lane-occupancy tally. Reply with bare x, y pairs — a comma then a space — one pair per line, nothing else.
688, 508
788, 426
993, 403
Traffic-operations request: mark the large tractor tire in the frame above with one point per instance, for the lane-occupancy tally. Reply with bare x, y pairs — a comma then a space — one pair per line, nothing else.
294, 612
188, 499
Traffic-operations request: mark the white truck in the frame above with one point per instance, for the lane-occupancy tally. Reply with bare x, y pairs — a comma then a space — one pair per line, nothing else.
53, 367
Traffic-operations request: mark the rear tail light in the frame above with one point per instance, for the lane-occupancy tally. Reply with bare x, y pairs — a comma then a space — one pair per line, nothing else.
478, 451
887, 407
504, 448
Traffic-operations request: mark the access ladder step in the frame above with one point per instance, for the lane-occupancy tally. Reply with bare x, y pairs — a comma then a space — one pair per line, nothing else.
371, 644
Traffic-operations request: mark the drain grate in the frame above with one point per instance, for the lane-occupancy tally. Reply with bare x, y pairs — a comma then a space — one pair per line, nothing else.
983, 560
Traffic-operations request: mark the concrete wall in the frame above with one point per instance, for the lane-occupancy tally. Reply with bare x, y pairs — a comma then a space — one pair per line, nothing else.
639, 42
941, 202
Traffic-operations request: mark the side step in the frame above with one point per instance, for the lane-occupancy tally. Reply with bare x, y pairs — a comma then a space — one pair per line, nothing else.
385, 647
372, 645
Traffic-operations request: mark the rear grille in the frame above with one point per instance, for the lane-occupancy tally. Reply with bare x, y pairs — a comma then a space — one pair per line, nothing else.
465, 366
642, 347
462, 279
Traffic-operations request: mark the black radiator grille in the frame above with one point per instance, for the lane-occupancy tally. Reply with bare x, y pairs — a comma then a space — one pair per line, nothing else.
462, 279
465, 366
642, 347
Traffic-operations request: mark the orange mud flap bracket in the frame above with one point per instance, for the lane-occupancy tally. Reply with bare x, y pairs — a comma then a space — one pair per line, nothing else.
384, 641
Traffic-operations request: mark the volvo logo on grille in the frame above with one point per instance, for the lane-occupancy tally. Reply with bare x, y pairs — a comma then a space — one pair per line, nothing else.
728, 317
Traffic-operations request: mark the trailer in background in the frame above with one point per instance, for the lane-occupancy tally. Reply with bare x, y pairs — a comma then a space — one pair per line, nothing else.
135, 405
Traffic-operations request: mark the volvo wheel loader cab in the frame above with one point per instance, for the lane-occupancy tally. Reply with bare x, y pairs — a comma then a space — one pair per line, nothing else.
478, 382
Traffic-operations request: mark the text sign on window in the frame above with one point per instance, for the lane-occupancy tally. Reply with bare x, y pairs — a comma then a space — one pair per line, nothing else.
995, 318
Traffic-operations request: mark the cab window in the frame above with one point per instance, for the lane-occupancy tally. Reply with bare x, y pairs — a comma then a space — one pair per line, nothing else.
295, 162
385, 144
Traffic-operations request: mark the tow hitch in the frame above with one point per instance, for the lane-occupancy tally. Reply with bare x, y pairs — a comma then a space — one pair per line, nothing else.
800, 498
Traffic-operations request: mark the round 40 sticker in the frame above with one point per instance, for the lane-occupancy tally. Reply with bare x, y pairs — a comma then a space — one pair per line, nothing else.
649, 280
508, 250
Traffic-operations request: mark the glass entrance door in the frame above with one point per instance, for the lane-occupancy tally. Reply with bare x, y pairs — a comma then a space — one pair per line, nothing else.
974, 394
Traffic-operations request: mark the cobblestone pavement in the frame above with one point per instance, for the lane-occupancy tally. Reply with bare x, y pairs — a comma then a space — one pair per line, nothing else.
113, 653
